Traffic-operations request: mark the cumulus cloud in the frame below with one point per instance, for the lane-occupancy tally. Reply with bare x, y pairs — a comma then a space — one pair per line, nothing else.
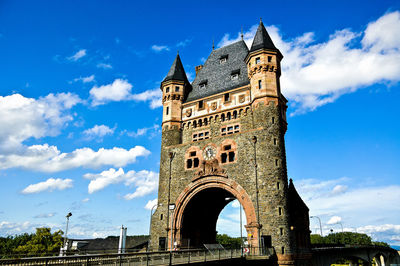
50, 185
159, 48
12, 228
98, 131
85, 200
121, 90
314, 74
150, 204
23, 118
78, 55
334, 220
47, 158
85, 79
145, 182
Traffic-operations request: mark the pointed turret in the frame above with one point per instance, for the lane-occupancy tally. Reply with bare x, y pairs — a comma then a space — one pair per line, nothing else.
175, 87
176, 72
262, 40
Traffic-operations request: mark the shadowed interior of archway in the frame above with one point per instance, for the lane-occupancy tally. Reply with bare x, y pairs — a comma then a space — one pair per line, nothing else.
200, 217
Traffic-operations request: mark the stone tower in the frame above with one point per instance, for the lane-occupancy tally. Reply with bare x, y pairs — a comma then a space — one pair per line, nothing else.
223, 138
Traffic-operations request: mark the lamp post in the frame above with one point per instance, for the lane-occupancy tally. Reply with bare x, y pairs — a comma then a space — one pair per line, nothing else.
240, 211
151, 219
341, 225
320, 226
66, 231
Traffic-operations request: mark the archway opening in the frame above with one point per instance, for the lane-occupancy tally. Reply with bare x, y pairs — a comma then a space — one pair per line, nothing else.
199, 220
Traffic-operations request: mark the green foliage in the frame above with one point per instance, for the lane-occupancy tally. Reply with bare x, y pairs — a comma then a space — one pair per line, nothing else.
228, 242
345, 238
42, 243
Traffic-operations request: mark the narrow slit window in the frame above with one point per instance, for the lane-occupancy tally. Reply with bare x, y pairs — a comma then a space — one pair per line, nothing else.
231, 156
167, 90
176, 89
276, 162
196, 162
201, 104
281, 231
280, 210
161, 216
275, 141
259, 84
283, 250
269, 58
278, 185
273, 120
189, 163
223, 158
257, 60
167, 111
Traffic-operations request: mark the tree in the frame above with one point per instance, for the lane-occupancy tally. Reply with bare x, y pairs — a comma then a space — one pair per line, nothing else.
227, 241
345, 238
42, 243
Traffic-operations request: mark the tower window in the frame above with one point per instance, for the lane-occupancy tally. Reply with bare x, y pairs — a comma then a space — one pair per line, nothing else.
167, 111
176, 89
201, 135
278, 185
230, 129
269, 58
280, 210
193, 153
257, 60
283, 250
227, 97
259, 84
189, 163
228, 154
161, 216
281, 231
201, 104
196, 162
275, 141
167, 90
273, 120
276, 162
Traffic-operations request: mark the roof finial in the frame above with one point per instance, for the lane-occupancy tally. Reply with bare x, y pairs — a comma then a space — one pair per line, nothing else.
241, 33
260, 20
177, 52
213, 45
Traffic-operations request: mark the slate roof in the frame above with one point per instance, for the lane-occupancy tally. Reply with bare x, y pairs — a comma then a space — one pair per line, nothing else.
216, 76
176, 72
262, 39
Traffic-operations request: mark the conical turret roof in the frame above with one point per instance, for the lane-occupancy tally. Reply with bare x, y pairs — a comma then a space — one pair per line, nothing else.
262, 40
176, 72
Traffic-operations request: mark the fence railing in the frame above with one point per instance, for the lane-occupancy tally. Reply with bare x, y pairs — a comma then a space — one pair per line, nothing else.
132, 259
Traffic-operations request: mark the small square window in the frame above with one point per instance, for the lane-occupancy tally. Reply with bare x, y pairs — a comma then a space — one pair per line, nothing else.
227, 147
206, 134
230, 128
236, 126
269, 58
223, 129
192, 153
257, 60
176, 89
227, 97
195, 136
201, 134
201, 104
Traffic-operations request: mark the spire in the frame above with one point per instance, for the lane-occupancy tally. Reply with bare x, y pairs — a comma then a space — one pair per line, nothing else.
213, 45
262, 39
176, 72
241, 32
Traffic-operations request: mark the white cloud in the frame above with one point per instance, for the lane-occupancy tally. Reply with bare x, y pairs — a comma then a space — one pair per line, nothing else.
85, 79
144, 181
314, 74
159, 48
85, 200
47, 158
183, 43
338, 189
104, 65
50, 184
121, 90
78, 55
235, 204
98, 131
23, 118
334, 220
12, 228
149, 131
44, 215
150, 204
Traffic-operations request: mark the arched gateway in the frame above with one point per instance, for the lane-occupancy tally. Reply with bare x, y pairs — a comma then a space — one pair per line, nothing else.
223, 137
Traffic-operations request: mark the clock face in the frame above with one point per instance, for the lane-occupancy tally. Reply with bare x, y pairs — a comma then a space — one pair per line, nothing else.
209, 153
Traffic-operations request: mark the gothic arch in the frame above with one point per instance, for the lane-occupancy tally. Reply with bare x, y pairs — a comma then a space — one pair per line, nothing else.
214, 182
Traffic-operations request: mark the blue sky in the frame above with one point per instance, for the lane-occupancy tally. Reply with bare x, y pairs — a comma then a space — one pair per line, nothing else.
80, 107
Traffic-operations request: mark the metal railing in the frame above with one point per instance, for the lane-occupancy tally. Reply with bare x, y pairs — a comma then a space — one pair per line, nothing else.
132, 259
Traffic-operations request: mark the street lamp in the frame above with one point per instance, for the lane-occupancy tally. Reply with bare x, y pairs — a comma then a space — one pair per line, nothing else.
151, 218
240, 211
66, 231
320, 225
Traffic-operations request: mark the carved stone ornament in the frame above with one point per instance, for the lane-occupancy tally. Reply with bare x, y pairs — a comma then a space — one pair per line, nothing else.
209, 168
214, 106
189, 112
241, 98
